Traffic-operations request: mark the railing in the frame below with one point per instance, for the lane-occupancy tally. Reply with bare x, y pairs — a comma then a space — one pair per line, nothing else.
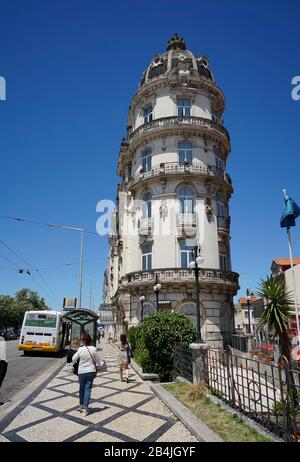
177, 168
177, 121
223, 223
186, 219
145, 225
266, 392
183, 363
181, 274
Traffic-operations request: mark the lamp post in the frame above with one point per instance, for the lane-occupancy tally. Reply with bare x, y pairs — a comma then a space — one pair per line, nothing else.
81, 230
248, 297
142, 299
157, 288
195, 265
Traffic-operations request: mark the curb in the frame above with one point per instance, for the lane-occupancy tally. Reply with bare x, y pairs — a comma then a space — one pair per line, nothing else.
30, 389
198, 428
146, 376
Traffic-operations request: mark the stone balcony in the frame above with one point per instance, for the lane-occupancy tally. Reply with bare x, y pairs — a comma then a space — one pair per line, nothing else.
176, 168
145, 226
186, 222
169, 124
176, 276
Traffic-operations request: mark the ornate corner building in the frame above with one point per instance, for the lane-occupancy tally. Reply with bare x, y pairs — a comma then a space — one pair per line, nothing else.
174, 194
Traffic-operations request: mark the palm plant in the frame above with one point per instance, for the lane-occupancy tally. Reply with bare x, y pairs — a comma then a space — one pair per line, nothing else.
277, 312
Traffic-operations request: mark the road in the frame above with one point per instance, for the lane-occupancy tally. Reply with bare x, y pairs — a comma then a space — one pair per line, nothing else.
23, 369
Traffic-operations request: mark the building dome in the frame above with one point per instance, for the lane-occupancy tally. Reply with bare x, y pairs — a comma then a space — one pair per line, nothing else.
177, 60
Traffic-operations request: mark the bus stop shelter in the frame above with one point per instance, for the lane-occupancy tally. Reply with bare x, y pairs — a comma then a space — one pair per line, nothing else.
81, 320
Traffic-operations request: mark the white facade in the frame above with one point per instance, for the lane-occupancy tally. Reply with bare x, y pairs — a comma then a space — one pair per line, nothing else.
174, 195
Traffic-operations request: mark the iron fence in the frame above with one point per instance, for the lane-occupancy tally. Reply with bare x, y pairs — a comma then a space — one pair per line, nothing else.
183, 362
267, 393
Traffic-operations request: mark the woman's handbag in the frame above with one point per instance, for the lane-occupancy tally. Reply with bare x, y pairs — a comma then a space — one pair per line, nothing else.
129, 353
75, 367
69, 360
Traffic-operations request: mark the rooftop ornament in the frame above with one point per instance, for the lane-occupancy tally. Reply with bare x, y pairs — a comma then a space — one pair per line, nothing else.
176, 43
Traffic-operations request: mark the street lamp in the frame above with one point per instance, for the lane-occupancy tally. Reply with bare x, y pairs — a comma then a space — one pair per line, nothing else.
195, 265
248, 297
142, 299
157, 288
81, 230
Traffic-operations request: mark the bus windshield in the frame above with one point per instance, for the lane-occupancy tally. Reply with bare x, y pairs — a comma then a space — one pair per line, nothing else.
40, 320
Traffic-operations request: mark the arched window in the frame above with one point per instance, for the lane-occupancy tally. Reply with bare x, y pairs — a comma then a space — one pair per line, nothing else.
185, 152
187, 200
147, 310
147, 159
147, 205
189, 310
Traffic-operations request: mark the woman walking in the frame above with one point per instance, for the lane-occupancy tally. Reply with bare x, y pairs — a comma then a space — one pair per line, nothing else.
124, 356
89, 362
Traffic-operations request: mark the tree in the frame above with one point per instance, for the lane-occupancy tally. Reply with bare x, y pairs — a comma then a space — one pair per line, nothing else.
6, 305
277, 312
156, 337
31, 299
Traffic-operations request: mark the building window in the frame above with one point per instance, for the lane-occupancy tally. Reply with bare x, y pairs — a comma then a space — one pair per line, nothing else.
148, 114
185, 152
215, 117
223, 262
219, 165
147, 205
146, 257
189, 310
220, 210
184, 107
147, 160
185, 254
148, 309
187, 200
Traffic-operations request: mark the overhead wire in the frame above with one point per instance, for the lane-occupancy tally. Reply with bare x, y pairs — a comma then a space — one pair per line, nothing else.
29, 272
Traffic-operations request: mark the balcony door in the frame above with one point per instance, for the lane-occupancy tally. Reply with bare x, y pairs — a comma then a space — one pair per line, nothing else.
187, 201
185, 152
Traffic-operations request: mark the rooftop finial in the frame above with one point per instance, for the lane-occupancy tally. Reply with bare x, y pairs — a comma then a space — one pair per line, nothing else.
176, 43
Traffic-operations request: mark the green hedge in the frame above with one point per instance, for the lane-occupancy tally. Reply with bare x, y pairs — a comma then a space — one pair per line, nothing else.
153, 341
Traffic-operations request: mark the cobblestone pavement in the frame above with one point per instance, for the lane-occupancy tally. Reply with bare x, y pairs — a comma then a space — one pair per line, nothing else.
119, 411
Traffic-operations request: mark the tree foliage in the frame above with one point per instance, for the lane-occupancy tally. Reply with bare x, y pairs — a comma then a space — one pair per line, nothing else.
277, 312
155, 341
12, 309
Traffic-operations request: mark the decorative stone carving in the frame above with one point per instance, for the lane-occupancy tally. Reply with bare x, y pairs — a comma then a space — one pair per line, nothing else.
163, 209
208, 208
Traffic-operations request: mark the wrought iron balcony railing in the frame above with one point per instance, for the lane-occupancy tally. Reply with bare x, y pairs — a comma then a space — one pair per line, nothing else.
223, 223
178, 121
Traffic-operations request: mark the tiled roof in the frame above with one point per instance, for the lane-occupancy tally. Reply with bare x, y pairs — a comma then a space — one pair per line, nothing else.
286, 261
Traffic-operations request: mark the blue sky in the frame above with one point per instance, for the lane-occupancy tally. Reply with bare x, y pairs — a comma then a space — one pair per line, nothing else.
71, 68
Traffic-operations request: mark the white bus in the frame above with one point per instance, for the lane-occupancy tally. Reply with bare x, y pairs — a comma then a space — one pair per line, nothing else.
43, 331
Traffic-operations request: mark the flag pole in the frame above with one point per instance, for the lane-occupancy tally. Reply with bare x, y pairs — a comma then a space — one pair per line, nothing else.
294, 283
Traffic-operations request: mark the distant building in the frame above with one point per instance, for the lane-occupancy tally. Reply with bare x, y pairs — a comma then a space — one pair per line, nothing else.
281, 269
242, 311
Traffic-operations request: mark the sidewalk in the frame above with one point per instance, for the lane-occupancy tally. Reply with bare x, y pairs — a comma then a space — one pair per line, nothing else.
119, 411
